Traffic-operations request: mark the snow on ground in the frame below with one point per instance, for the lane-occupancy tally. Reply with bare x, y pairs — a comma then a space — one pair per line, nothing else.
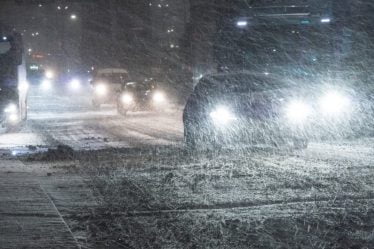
93, 131
321, 197
20, 139
71, 120
59, 118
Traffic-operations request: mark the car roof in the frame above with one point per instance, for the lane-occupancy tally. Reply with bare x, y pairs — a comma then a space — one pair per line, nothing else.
218, 77
111, 70
264, 75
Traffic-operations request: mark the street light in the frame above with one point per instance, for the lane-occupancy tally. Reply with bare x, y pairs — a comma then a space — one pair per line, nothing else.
73, 17
242, 23
325, 20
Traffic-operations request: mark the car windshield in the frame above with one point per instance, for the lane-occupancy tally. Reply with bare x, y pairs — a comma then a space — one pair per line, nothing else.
115, 77
137, 86
187, 124
241, 84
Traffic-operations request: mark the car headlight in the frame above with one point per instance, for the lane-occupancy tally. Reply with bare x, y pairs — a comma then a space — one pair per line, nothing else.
13, 118
159, 97
101, 89
334, 103
11, 109
297, 111
49, 74
75, 84
127, 98
46, 85
222, 116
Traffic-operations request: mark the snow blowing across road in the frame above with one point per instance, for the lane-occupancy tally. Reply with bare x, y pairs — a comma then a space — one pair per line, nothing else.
70, 120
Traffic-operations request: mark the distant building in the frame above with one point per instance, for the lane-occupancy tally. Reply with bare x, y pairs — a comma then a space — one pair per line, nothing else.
168, 24
143, 36
199, 38
47, 31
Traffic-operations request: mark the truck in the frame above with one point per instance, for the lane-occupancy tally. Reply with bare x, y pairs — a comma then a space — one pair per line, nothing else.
13, 79
313, 38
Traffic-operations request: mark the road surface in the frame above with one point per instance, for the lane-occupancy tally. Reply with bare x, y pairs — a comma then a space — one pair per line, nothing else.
64, 117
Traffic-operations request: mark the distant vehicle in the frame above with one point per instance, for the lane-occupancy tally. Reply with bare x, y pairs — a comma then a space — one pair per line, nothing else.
239, 109
107, 84
13, 80
145, 96
35, 62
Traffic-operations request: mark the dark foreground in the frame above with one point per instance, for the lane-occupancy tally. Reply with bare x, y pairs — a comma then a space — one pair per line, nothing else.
166, 198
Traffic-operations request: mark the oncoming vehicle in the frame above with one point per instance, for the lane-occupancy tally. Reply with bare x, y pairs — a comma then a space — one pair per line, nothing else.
145, 96
244, 108
13, 82
239, 109
324, 42
107, 83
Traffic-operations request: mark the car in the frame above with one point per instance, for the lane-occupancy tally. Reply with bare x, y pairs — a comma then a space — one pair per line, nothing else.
239, 109
144, 96
13, 81
107, 84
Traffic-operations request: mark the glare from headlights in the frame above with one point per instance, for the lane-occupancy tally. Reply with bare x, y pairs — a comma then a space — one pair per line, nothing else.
23, 87
297, 111
101, 89
127, 98
49, 74
334, 103
222, 116
11, 108
75, 85
13, 118
46, 85
159, 97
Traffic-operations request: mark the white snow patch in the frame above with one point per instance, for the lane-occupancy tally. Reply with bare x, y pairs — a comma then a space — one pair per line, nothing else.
9, 140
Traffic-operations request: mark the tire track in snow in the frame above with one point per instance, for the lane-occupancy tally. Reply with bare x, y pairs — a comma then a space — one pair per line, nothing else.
225, 207
158, 126
79, 136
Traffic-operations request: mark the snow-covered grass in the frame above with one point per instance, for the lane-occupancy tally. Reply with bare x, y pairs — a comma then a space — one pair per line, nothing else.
169, 198
339, 228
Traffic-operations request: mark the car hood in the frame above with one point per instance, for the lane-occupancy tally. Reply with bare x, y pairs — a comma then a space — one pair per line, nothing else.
114, 87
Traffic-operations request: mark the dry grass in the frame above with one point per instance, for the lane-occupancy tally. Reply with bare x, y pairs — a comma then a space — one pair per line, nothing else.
327, 210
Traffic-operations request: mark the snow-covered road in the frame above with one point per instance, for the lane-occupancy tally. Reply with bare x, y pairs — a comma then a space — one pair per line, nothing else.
62, 117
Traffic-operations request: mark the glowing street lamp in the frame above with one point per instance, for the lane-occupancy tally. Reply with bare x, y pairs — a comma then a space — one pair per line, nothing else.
325, 20
242, 23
